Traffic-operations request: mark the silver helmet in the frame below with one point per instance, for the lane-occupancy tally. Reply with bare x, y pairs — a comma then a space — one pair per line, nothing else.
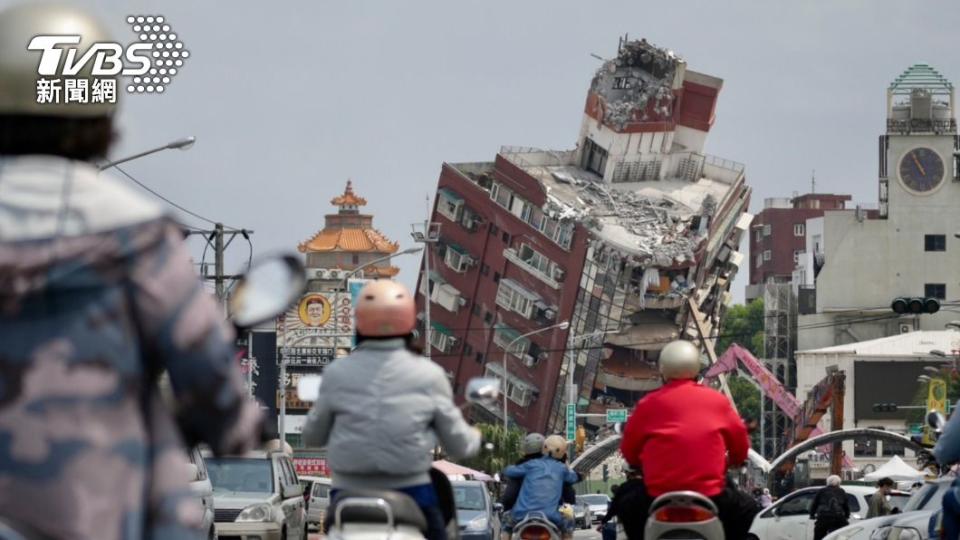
680, 360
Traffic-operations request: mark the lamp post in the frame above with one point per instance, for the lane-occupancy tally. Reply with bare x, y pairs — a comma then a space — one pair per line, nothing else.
571, 365
506, 353
429, 235
343, 287
181, 144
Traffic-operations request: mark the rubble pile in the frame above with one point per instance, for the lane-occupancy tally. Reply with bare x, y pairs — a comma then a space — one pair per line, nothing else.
635, 83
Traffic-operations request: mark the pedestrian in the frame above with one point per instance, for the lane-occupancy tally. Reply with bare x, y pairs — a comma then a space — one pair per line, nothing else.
765, 499
829, 508
879, 505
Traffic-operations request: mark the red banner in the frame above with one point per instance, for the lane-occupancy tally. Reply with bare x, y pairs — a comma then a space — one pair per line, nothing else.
311, 466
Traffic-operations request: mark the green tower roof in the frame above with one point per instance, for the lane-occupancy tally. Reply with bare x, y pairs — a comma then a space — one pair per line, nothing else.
921, 76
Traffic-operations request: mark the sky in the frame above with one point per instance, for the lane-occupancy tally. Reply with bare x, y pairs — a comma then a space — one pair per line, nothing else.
289, 99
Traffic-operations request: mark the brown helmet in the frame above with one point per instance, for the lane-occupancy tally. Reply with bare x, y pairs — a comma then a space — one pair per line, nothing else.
385, 308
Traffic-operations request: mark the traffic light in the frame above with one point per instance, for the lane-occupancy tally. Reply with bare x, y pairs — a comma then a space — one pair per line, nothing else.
884, 407
903, 305
606, 473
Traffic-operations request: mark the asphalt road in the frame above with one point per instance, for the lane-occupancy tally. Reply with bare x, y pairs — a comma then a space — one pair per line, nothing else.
588, 534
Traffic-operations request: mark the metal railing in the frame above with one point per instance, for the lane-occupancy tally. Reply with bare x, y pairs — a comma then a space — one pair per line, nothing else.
922, 126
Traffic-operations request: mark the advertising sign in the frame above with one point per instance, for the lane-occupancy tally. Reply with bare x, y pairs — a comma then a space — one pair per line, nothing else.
311, 466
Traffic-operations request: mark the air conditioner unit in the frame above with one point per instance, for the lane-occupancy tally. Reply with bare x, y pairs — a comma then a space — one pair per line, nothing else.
530, 361
549, 314
452, 341
462, 301
334, 274
906, 327
316, 273
558, 274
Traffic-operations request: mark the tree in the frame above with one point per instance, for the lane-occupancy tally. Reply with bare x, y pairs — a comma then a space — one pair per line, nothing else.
743, 324
506, 449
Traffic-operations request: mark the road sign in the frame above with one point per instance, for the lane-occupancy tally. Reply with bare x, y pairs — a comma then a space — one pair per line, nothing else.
571, 422
616, 415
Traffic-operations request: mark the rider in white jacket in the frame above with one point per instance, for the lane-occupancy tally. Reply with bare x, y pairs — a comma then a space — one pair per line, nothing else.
382, 410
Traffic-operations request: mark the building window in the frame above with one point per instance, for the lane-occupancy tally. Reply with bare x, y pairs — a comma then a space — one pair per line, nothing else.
476, 309
767, 229
449, 204
441, 340
935, 242
519, 392
797, 253
356, 258
767, 255
594, 157
488, 317
536, 260
457, 258
506, 238
891, 448
864, 448
502, 196
479, 358
759, 262
493, 229
756, 235
799, 229
935, 290
467, 350
496, 277
512, 296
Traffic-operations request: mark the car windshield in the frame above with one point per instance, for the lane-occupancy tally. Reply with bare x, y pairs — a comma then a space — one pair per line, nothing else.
240, 474
469, 497
931, 492
595, 499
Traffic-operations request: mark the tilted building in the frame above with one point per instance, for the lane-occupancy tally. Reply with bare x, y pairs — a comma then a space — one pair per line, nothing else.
618, 236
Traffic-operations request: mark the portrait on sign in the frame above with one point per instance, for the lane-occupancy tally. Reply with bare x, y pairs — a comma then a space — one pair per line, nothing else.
314, 310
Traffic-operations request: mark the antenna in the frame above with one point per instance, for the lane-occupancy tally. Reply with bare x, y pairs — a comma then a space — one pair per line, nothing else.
598, 57
813, 181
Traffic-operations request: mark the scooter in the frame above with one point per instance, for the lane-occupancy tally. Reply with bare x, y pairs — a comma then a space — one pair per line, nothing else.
683, 514
376, 514
535, 526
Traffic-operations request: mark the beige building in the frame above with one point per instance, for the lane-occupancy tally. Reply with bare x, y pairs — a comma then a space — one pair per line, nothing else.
859, 261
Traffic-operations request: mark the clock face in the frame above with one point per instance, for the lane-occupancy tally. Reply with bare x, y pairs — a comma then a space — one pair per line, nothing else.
921, 169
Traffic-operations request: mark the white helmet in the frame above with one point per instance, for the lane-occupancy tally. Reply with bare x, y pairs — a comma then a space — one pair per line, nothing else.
555, 446
18, 65
533, 444
680, 360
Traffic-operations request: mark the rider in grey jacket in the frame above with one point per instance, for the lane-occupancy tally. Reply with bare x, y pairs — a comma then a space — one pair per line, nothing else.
382, 410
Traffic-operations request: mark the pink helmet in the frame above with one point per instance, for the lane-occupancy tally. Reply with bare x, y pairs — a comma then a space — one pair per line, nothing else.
385, 308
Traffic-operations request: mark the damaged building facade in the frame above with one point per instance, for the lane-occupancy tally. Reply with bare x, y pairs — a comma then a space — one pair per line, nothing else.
631, 237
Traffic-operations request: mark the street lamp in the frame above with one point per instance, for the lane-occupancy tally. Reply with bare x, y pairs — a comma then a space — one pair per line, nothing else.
343, 286
571, 364
181, 144
506, 353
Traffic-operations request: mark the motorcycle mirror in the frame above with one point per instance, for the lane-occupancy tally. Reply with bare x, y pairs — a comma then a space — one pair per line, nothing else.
308, 387
483, 390
618, 428
268, 288
936, 420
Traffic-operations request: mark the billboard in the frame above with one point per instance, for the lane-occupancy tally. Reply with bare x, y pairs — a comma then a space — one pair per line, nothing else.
307, 332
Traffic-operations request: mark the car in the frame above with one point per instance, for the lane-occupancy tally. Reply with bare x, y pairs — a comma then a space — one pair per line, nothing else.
582, 515
201, 487
922, 525
598, 503
316, 492
475, 513
257, 495
926, 500
789, 518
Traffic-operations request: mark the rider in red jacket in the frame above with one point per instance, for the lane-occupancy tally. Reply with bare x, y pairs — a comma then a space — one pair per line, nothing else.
684, 436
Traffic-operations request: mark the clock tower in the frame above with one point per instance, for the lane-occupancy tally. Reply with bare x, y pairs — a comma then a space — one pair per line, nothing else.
918, 164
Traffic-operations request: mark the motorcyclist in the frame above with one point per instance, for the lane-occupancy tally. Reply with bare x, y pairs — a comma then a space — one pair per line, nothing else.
532, 448
684, 436
624, 502
543, 481
381, 409
98, 295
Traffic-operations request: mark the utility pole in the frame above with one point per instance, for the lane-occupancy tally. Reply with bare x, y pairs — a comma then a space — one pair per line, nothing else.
218, 260
218, 238
429, 235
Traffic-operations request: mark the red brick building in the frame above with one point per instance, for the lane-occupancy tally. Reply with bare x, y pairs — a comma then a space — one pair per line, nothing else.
778, 236
617, 237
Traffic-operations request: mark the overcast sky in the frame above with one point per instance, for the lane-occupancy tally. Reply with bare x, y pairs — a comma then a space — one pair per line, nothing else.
289, 99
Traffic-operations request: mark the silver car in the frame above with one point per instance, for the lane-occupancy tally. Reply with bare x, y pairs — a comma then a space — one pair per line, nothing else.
257, 495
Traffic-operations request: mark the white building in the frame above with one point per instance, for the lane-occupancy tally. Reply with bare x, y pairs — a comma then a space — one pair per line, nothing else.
881, 370
906, 248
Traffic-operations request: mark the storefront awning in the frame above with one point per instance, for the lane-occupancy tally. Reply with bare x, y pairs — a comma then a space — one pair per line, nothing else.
450, 195
441, 328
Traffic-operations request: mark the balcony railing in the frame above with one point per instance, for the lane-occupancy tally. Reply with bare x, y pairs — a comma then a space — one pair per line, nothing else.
512, 256
917, 125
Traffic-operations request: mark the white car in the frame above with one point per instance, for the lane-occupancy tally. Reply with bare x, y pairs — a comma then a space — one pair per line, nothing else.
921, 504
597, 502
789, 518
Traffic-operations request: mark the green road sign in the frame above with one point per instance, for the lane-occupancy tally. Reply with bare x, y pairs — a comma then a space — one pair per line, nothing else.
616, 415
571, 421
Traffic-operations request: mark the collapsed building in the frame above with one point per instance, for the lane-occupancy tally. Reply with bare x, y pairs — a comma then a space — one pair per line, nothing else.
631, 237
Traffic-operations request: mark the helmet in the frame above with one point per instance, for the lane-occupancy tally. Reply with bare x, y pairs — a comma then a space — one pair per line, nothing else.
680, 360
555, 446
385, 308
532, 444
18, 65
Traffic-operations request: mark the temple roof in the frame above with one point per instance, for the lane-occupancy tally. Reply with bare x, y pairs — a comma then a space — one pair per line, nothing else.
357, 240
348, 198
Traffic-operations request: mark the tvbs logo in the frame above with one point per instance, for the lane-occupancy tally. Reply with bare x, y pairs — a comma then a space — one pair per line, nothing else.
149, 64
